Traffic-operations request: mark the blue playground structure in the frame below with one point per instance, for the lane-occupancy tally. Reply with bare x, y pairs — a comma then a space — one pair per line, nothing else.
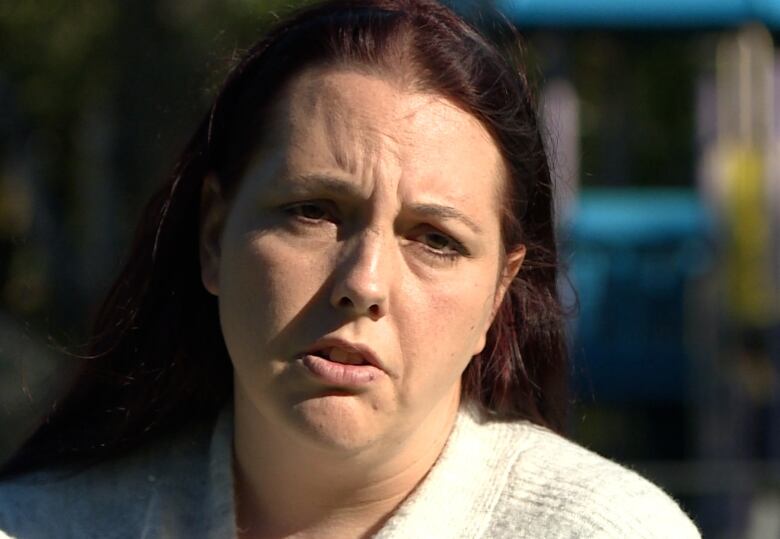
633, 255
660, 14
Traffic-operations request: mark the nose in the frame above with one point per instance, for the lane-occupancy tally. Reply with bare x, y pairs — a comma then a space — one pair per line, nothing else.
362, 286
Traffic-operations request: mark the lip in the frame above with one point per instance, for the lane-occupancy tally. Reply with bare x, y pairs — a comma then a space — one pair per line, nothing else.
364, 350
341, 374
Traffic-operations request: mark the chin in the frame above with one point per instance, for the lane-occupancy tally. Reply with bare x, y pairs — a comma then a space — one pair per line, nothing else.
337, 421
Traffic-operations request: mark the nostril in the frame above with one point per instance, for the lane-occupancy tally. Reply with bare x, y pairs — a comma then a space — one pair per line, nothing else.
373, 310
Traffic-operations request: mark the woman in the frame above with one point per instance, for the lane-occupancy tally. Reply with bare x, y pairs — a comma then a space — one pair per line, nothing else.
354, 261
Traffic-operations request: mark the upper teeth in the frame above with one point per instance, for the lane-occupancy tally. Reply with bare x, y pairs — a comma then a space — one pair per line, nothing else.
340, 355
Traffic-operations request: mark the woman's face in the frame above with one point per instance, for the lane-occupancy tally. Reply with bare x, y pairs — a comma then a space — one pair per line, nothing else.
359, 263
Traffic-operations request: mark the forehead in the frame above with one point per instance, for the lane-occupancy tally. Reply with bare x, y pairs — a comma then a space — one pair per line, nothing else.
371, 127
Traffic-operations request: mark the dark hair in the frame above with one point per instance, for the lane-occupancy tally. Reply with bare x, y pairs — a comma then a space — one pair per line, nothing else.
156, 357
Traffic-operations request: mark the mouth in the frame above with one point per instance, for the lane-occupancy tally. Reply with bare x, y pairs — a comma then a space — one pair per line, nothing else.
342, 351
338, 354
342, 362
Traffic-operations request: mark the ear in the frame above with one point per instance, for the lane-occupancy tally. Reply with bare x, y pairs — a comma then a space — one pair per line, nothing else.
212, 220
512, 263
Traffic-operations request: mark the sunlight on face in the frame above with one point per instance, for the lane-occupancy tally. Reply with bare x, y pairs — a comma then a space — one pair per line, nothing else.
359, 263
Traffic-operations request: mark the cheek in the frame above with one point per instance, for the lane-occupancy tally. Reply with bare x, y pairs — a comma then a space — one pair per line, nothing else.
464, 307
263, 288
443, 325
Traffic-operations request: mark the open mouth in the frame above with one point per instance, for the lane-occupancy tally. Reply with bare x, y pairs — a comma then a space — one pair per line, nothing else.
337, 362
341, 355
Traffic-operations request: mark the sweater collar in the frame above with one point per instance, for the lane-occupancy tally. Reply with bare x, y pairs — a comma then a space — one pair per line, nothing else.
459, 494
455, 499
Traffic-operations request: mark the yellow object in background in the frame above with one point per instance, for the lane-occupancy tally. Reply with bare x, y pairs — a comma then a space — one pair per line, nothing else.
749, 282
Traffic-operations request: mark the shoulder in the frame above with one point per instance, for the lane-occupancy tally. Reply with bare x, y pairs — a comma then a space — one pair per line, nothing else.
121, 497
558, 487
516, 480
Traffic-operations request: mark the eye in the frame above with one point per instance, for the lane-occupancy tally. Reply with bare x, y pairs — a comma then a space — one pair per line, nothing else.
311, 211
440, 245
439, 242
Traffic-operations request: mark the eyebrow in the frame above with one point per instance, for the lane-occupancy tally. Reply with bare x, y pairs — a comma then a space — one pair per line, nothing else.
444, 212
347, 188
325, 183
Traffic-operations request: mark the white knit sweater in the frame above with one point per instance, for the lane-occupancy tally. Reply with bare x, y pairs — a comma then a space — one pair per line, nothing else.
511, 480
493, 480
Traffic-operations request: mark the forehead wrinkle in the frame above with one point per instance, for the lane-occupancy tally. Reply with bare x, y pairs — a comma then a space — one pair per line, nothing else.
350, 138
364, 151
337, 143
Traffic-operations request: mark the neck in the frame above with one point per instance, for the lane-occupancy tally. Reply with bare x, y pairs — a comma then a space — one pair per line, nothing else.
288, 486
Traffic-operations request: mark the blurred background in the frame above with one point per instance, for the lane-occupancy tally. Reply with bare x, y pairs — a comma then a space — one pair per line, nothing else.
663, 123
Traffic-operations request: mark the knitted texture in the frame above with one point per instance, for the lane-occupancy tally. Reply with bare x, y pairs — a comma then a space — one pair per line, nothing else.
517, 480
493, 480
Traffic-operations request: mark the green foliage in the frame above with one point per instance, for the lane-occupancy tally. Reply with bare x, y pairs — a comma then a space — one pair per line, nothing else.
97, 99
637, 97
